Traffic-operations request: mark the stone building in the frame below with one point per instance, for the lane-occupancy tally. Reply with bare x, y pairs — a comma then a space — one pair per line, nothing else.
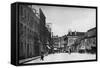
91, 38
88, 43
28, 33
56, 43
49, 38
63, 40
45, 34
60, 43
74, 40
33, 33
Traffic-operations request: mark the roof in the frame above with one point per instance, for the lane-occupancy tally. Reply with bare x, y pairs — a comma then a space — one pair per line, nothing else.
41, 13
91, 32
76, 34
92, 29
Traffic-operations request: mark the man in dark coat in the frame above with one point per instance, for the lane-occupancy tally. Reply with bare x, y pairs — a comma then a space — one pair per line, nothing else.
42, 56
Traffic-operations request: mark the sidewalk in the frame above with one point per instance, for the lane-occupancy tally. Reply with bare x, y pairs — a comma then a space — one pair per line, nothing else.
28, 59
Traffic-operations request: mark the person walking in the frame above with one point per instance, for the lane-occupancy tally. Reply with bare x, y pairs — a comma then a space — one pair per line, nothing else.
69, 50
42, 56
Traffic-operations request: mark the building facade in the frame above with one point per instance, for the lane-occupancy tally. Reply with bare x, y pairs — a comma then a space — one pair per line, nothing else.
74, 40
88, 44
49, 38
56, 44
45, 34
33, 33
59, 43
28, 33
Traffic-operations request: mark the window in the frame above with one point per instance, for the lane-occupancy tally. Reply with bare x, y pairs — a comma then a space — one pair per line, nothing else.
21, 10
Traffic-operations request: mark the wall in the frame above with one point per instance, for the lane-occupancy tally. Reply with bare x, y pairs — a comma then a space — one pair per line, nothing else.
71, 40
28, 33
5, 34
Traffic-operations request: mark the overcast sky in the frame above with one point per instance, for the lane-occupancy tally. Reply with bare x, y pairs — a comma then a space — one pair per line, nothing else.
64, 19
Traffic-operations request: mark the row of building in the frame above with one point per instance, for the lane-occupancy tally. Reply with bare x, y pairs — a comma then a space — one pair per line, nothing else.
76, 42
34, 35
60, 43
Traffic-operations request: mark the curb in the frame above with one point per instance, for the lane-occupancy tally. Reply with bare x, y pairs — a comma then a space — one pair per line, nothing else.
29, 59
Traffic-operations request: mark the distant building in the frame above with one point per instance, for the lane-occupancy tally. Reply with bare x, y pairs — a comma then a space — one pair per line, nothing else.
49, 25
91, 32
72, 37
59, 43
56, 45
88, 42
63, 43
91, 39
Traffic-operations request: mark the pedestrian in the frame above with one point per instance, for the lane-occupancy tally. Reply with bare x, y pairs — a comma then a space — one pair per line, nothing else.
42, 56
69, 50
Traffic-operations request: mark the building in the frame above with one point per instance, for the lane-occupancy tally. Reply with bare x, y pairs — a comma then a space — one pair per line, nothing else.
28, 33
91, 32
91, 39
45, 34
88, 44
49, 26
59, 43
64, 42
56, 43
49, 38
73, 40
33, 33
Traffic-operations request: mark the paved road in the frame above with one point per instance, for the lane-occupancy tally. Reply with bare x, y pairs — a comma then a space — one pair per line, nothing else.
64, 57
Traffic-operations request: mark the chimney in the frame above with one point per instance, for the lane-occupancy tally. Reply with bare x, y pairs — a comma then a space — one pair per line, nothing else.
75, 33
70, 32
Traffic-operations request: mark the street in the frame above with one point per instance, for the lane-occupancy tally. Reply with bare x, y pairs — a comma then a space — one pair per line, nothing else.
64, 57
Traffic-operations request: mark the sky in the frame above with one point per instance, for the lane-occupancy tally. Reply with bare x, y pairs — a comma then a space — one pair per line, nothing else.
64, 19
